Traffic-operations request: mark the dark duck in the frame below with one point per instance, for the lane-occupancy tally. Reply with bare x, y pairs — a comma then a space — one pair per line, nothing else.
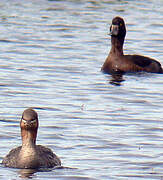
117, 62
30, 155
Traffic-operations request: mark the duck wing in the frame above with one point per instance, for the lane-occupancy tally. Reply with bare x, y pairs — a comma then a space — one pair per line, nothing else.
141, 61
47, 158
11, 158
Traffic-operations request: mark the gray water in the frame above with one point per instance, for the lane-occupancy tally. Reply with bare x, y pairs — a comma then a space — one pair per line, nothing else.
51, 53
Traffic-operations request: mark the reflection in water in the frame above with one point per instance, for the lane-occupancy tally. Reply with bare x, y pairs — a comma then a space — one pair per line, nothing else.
116, 79
27, 173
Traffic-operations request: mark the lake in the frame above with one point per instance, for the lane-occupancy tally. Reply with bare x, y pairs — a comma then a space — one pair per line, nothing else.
50, 59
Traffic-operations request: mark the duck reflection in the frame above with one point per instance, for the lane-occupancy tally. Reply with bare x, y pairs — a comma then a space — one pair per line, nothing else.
27, 173
116, 79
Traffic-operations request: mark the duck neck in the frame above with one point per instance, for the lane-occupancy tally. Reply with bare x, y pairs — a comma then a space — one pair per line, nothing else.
117, 45
28, 138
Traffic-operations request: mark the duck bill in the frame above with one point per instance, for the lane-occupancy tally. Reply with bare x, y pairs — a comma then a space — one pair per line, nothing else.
114, 30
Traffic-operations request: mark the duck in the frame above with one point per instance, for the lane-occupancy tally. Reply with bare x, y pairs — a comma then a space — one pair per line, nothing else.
30, 155
117, 62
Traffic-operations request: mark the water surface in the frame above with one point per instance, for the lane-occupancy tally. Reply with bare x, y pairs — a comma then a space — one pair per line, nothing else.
50, 59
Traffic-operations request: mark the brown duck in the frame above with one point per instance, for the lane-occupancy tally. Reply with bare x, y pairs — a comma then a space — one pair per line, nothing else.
30, 155
117, 62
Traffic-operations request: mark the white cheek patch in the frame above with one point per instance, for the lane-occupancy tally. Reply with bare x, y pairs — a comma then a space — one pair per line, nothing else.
24, 121
33, 121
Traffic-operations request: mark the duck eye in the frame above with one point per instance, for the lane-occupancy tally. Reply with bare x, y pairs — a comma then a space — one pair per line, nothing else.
31, 121
120, 24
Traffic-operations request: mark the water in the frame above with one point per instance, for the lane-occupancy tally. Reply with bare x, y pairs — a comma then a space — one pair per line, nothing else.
50, 58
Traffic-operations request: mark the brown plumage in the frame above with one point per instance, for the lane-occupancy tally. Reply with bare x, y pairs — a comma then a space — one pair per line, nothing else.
117, 62
30, 155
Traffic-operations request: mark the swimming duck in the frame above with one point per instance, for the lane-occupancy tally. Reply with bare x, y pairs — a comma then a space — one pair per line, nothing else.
117, 62
30, 155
